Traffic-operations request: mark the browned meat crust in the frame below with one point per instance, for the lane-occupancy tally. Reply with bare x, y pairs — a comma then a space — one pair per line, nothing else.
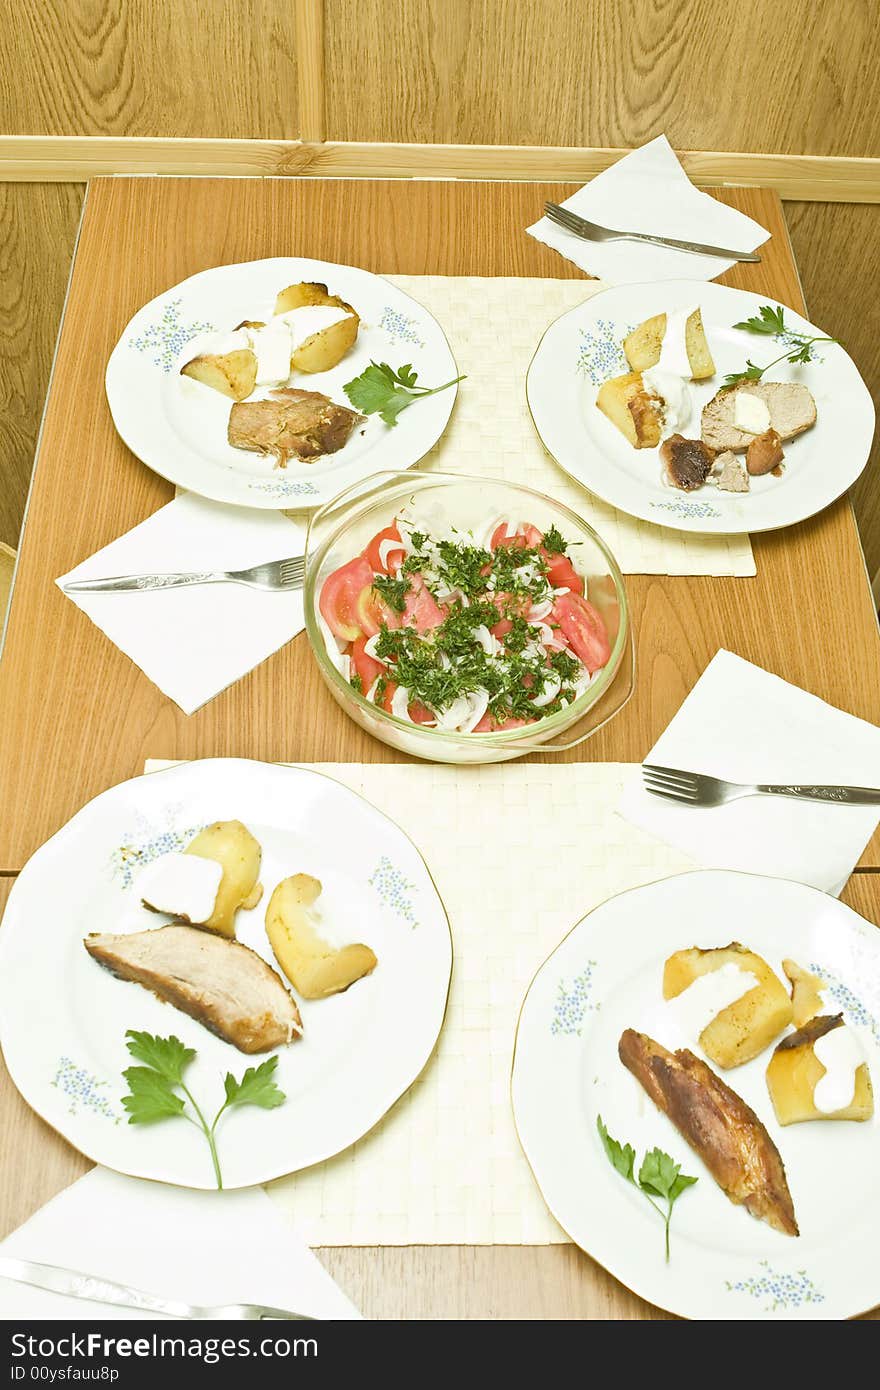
222, 984
291, 424
718, 1125
688, 462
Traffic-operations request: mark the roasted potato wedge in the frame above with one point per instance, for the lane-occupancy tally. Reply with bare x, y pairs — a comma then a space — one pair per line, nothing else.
322, 350
233, 374
630, 407
314, 967
643, 346
234, 848
794, 1071
748, 1025
806, 1001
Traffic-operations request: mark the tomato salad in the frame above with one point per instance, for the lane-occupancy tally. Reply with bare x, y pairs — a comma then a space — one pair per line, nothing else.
465, 635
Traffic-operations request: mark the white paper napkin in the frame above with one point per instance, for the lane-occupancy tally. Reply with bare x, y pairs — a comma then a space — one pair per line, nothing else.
194, 642
648, 191
206, 1248
745, 725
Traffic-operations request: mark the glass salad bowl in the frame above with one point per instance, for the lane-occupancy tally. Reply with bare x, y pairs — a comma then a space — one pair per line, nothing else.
444, 504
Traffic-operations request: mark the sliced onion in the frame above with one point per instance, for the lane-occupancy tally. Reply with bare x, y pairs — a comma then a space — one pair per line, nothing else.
479, 703
455, 714
400, 703
371, 693
549, 638
345, 668
370, 646
540, 610
491, 646
388, 547
552, 687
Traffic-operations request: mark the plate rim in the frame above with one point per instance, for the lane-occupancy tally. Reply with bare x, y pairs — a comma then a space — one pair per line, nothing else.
264, 501
700, 871
671, 521
179, 768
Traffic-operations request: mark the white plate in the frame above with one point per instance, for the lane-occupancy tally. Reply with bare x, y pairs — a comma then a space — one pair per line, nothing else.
177, 426
607, 976
582, 349
63, 1018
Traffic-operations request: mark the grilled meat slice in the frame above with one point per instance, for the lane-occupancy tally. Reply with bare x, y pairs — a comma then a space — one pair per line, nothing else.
291, 424
688, 462
718, 1125
791, 406
220, 983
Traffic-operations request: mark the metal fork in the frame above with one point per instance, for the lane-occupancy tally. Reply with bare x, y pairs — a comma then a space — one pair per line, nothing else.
591, 231
277, 575
72, 1284
697, 789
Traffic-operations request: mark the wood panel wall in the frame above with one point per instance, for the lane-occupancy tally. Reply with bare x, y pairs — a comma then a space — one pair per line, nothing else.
789, 76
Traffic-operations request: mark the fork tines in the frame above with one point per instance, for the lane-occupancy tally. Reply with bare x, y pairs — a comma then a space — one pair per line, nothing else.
292, 570
564, 217
671, 782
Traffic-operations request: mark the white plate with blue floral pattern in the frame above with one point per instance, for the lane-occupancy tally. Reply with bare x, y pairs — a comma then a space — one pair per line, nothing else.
605, 976
583, 348
63, 1018
177, 426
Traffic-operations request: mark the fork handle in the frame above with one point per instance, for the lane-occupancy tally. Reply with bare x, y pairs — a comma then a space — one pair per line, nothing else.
128, 583
695, 246
845, 796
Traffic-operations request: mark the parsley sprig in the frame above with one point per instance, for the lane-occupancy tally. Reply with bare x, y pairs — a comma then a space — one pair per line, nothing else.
659, 1175
154, 1087
770, 323
386, 391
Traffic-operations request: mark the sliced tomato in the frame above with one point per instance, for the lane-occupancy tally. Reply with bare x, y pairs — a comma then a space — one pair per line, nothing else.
364, 665
394, 557
339, 598
583, 629
524, 538
490, 725
419, 713
562, 573
371, 612
501, 629
422, 611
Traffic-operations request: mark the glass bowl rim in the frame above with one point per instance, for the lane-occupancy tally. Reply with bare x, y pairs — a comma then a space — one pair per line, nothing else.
553, 723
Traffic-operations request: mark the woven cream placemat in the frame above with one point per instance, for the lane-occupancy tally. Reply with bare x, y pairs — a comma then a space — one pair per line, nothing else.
494, 327
519, 853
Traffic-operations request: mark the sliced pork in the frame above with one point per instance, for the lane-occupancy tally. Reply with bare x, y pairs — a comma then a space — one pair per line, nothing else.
291, 424
718, 1125
222, 984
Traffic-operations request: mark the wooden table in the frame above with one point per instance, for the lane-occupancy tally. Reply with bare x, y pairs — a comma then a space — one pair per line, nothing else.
78, 717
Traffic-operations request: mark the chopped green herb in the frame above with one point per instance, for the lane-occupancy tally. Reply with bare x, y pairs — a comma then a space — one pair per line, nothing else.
357, 683
392, 590
554, 542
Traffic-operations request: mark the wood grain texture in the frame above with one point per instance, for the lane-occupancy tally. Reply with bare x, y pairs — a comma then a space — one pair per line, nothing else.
309, 15
614, 72
62, 158
37, 233
838, 254
61, 739
149, 67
